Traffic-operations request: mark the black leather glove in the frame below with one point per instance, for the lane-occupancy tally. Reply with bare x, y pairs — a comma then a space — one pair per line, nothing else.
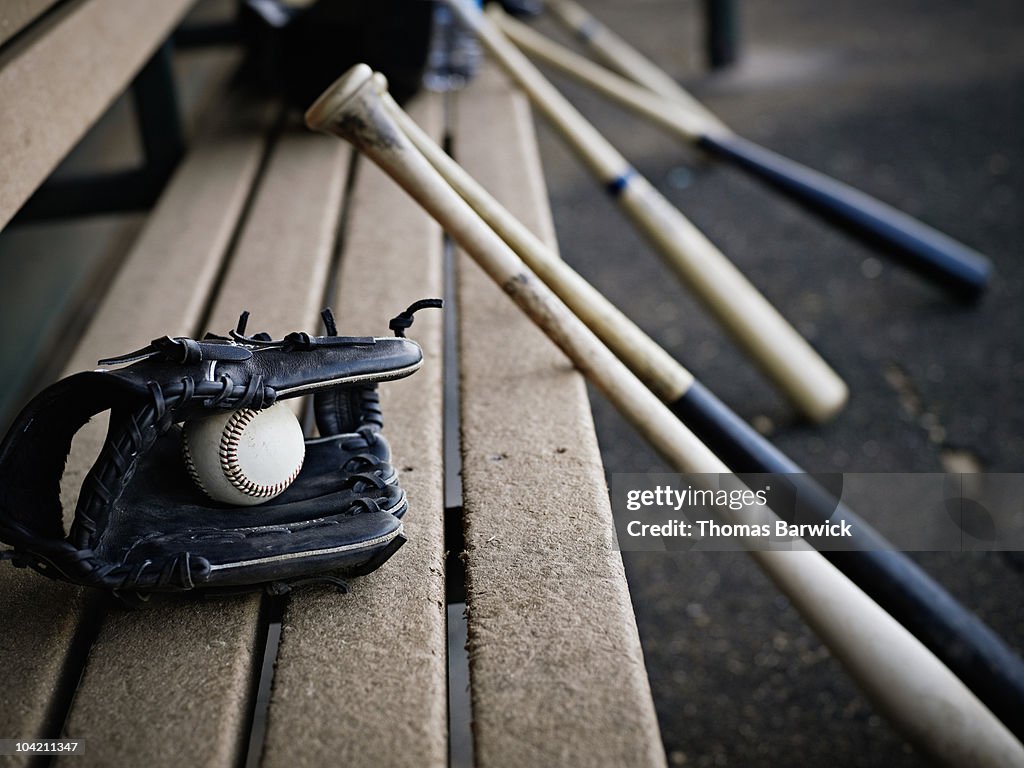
141, 524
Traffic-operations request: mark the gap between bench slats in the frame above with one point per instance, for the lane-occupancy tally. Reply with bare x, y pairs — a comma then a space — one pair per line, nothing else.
360, 678
63, 75
556, 669
161, 288
171, 685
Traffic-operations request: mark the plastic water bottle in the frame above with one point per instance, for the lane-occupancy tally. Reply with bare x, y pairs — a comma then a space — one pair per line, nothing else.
454, 54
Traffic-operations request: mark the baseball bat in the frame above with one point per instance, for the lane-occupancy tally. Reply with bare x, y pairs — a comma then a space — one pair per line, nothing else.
784, 356
906, 681
960, 270
964, 643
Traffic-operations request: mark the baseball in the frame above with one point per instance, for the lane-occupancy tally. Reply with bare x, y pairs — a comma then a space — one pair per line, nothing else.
244, 457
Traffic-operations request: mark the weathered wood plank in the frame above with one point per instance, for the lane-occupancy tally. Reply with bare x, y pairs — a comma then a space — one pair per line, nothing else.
360, 678
162, 288
63, 75
280, 268
166, 684
40, 618
557, 673
199, 717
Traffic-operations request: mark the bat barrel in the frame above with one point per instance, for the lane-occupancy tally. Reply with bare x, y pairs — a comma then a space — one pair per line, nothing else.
963, 272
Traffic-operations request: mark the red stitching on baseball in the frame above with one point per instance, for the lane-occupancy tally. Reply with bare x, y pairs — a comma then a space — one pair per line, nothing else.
190, 465
229, 459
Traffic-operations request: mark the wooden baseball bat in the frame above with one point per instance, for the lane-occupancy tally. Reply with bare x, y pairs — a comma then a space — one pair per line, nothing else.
904, 679
962, 271
784, 356
964, 643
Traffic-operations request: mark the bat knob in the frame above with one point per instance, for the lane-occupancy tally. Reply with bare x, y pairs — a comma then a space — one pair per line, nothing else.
330, 107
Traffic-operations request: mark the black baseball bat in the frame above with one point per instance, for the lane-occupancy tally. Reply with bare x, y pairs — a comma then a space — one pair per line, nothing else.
968, 646
962, 271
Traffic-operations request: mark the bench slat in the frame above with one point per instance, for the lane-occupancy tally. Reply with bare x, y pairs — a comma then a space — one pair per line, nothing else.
280, 267
360, 678
39, 619
556, 669
160, 289
57, 81
183, 671
167, 685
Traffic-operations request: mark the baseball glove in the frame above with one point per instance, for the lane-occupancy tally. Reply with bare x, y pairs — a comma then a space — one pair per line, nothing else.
142, 526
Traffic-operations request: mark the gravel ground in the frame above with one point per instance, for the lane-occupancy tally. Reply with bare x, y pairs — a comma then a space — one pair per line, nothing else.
920, 104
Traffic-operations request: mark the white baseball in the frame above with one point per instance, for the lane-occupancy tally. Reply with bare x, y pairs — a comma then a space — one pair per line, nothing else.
244, 457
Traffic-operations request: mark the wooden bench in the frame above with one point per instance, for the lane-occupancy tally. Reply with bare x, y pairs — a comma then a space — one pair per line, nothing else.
282, 222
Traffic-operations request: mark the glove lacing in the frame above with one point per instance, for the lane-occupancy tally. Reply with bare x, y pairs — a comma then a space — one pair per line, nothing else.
107, 479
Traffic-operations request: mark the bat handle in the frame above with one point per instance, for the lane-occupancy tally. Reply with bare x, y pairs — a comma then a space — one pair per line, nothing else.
968, 646
960, 270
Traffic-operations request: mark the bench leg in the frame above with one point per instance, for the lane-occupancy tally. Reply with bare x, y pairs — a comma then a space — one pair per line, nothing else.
721, 25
